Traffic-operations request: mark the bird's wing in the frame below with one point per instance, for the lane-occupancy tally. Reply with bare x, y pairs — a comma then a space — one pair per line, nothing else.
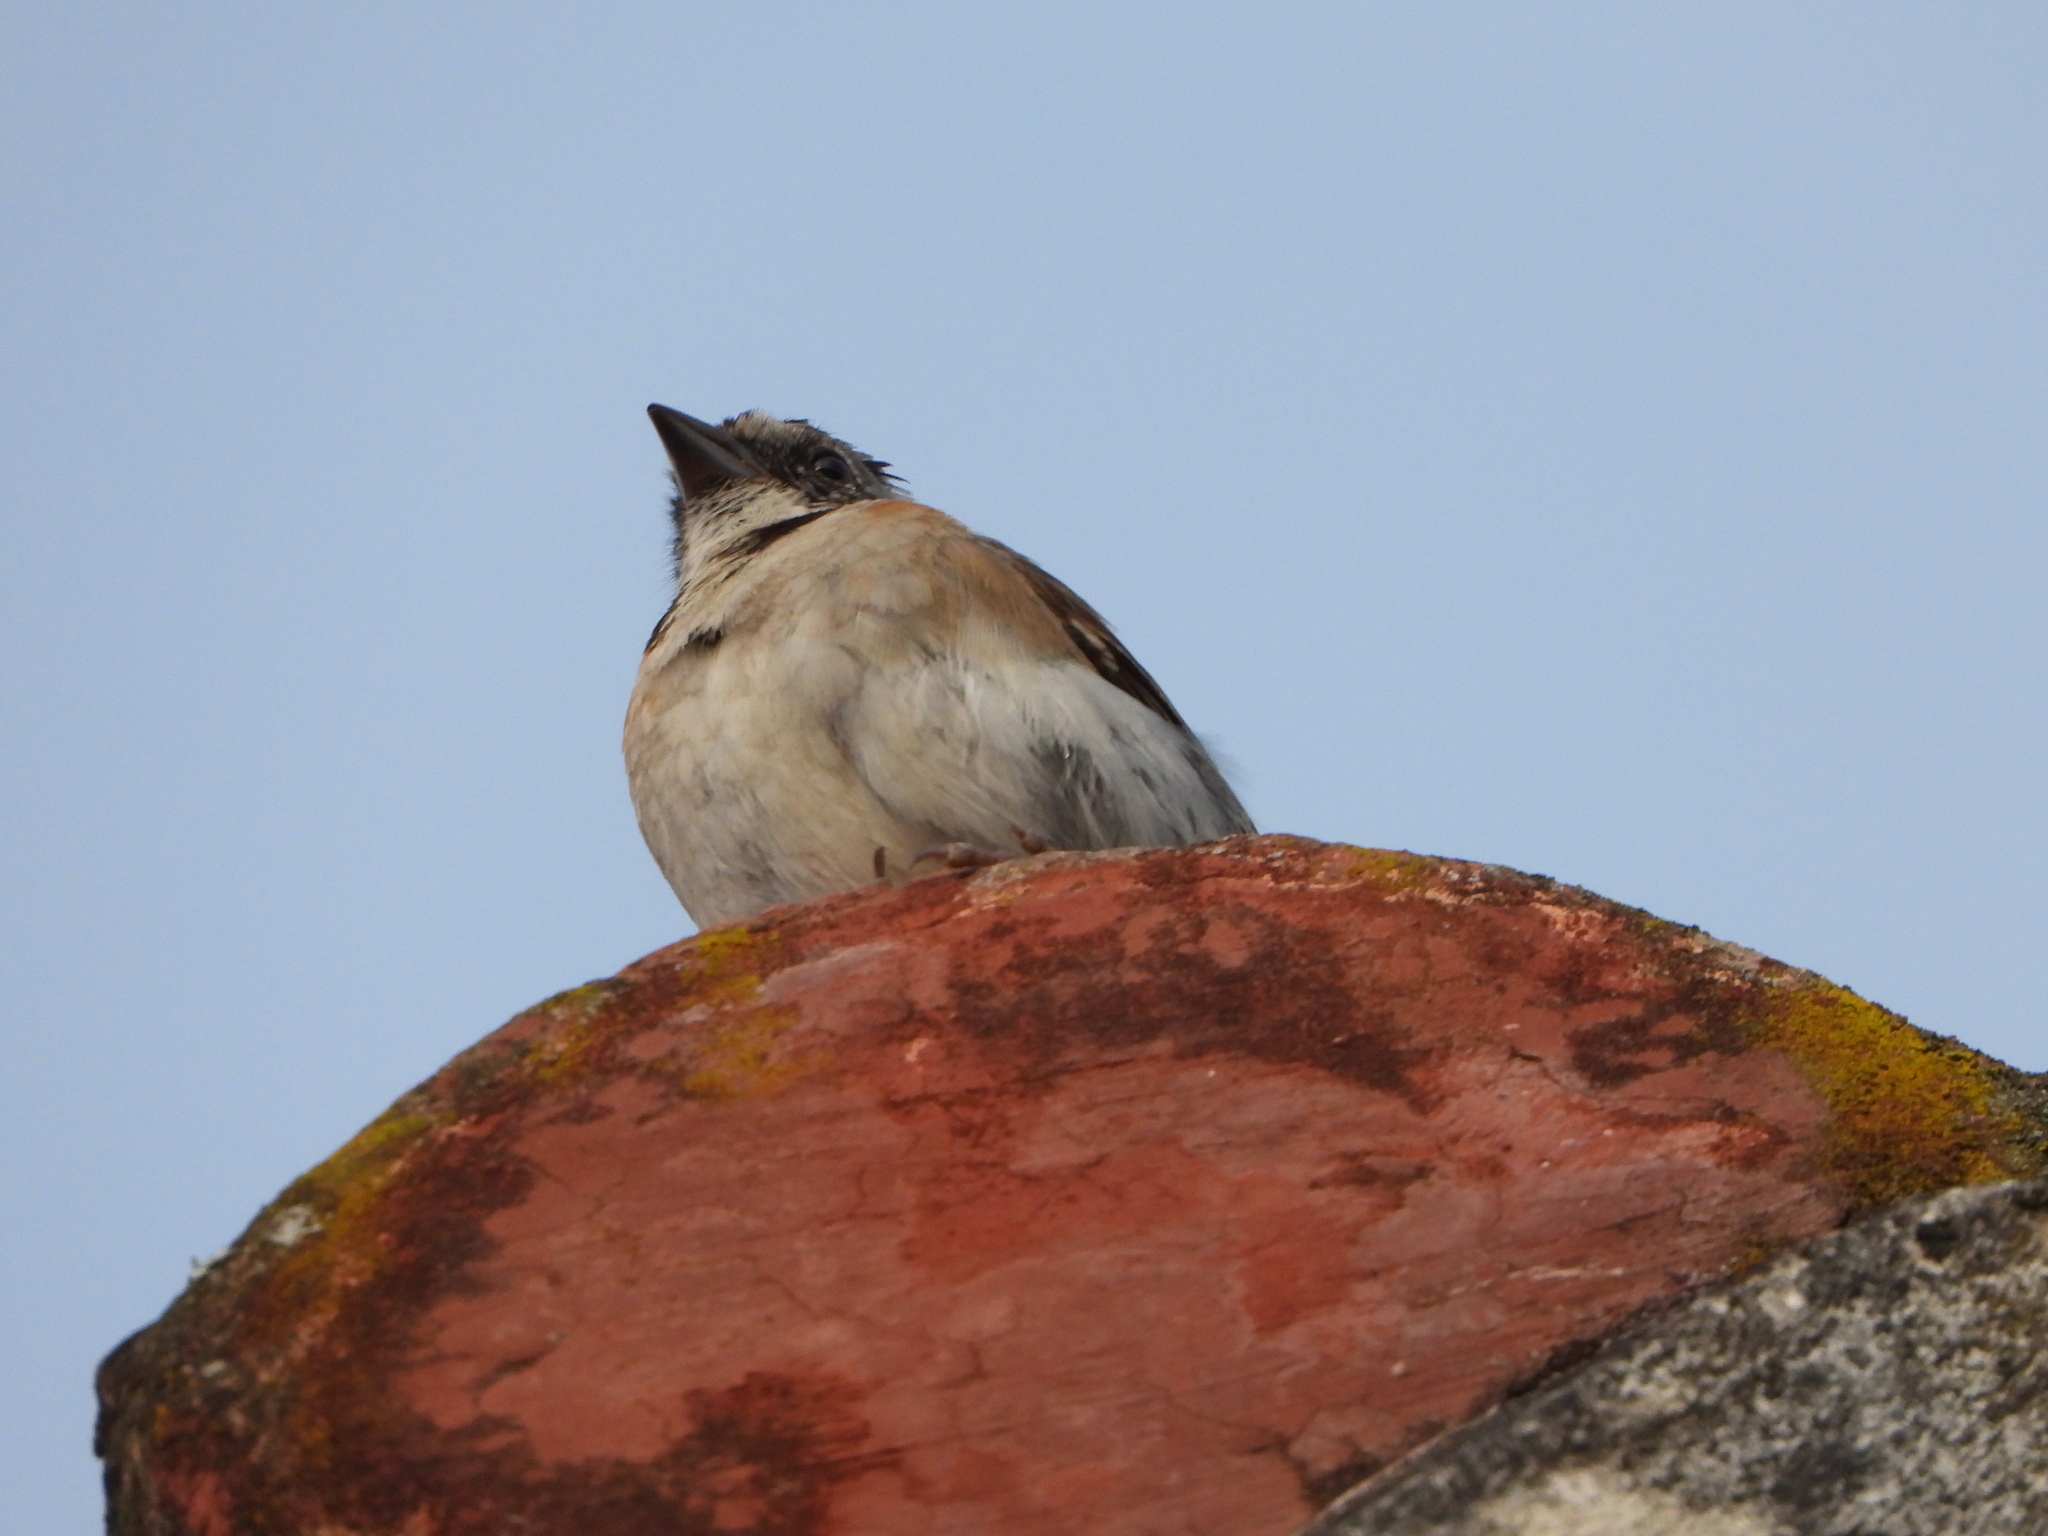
997, 698
1090, 634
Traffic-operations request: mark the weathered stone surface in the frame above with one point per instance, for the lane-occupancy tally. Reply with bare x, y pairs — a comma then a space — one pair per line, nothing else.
1890, 1378
1167, 1191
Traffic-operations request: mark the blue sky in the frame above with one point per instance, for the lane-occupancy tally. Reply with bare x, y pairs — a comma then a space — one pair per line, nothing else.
1605, 440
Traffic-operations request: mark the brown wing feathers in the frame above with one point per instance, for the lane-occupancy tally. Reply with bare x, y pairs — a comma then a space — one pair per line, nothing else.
991, 567
1092, 638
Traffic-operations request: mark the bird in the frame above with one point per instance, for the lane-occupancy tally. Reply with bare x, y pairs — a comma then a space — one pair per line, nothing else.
850, 686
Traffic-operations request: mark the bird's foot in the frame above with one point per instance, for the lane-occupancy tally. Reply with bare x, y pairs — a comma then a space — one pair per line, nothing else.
973, 856
959, 856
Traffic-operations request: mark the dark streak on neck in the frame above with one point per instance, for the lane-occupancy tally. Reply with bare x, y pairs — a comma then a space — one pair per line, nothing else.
660, 629
758, 539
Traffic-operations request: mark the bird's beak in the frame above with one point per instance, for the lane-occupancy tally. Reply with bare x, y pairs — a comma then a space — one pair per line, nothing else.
704, 456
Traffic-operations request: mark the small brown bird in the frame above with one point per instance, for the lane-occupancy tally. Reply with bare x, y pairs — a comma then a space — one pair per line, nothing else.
848, 683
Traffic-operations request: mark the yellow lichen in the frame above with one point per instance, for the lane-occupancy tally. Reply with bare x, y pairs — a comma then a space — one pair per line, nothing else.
738, 1056
345, 1189
564, 1051
735, 1051
1391, 871
1908, 1112
726, 964
581, 1001
379, 1142
721, 969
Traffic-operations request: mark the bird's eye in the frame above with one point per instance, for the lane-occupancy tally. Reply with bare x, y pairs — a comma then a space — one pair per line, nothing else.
833, 467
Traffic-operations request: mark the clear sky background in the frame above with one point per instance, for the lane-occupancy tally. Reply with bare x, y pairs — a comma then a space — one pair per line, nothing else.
1605, 440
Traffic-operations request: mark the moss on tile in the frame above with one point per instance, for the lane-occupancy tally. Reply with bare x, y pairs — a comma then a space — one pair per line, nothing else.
1909, 1112
1390, 870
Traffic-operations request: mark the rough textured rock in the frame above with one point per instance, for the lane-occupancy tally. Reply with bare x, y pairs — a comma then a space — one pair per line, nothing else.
1167, 1191
1890, 1378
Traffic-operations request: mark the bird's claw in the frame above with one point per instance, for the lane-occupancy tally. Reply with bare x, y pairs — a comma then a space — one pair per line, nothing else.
960, 856
974, 856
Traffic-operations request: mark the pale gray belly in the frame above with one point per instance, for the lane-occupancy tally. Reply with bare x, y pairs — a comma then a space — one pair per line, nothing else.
758, 782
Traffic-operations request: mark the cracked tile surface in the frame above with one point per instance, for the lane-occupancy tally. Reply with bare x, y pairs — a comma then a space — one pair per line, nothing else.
1161, 1191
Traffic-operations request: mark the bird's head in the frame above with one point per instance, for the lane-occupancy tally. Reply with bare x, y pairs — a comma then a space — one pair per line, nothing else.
737, 482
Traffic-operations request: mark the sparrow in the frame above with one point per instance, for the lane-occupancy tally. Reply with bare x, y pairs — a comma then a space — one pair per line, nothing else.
850, 685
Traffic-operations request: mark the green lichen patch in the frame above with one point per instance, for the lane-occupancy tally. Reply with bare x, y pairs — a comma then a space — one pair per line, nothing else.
720, 969
1388, 870
1908, 1112
368, 1157
739, 1049
578, 1018
726, 964
739, 1056
321, 1232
